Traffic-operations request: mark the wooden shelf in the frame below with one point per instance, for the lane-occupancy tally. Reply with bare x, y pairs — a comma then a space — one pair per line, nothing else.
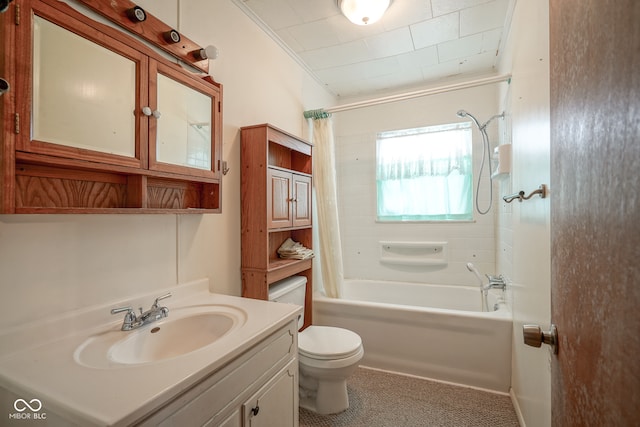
276, 205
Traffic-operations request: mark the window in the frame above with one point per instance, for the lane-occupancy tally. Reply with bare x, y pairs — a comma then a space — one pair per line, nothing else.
425, 174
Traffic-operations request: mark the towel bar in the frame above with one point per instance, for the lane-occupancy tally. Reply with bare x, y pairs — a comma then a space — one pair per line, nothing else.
520, 196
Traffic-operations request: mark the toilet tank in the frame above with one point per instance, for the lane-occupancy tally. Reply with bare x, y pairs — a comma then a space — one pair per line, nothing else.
289, 291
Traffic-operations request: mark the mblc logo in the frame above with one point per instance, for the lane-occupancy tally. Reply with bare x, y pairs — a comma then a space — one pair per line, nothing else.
27, 410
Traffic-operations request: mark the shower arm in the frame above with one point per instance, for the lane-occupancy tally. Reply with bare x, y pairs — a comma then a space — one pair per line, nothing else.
489, 121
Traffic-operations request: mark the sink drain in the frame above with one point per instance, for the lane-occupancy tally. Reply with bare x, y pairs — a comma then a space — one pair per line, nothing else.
154, 330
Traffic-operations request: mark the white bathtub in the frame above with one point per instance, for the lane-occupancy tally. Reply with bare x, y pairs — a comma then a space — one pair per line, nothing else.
433, 331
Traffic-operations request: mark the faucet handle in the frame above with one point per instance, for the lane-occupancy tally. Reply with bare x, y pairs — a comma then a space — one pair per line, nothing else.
128, 309
129, 319
155, 303
495, 279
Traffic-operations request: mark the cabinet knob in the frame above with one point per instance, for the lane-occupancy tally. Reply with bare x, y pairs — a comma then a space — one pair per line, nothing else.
147, 111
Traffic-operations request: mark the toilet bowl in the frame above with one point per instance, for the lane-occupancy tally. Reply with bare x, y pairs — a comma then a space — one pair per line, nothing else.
327, 355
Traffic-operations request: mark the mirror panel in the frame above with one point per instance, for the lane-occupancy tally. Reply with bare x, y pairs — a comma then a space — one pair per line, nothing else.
83, 94
184, 127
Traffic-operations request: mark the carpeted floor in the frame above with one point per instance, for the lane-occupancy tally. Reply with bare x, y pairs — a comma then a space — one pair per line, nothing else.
382, 399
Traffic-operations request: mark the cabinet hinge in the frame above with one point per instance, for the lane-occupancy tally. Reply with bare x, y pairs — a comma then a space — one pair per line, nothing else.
17, 14
218, 164
219, 107
16, 123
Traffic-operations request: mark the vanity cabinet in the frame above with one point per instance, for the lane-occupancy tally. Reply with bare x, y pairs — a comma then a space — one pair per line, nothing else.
259, 388
271, 405
276, 182
100, 122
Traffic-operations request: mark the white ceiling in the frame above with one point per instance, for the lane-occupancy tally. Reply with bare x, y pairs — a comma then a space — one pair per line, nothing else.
416, 43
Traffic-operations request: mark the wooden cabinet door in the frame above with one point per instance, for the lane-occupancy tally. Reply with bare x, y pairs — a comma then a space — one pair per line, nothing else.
66, 98
184, 122
279, 199
301, 201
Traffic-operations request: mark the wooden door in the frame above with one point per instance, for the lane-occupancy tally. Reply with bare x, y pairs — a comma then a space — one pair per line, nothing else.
595, 211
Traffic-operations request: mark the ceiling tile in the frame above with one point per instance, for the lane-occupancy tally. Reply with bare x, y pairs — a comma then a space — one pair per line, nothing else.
406, 12
313, 35
425, 57
347, 31
313, 10
483, 61
360, 70
289, 40
440, 71
276, 14
491, 40
343, 54
442, 7
485, 17
390, 43
436, 30
460, 48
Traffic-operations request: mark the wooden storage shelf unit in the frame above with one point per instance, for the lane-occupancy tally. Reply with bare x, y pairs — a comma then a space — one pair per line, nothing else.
276, 205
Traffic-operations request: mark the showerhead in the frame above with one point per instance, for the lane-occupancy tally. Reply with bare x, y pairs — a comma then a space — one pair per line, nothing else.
472, 268
463, 113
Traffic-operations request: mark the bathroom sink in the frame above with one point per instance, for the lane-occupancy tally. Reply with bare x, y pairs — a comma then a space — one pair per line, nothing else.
184, 331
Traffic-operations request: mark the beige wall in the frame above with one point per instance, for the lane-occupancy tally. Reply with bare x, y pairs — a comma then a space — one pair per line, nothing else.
524, 228
50, 264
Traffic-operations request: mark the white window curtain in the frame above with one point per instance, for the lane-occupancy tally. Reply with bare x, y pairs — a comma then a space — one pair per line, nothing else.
425, 174
327, 244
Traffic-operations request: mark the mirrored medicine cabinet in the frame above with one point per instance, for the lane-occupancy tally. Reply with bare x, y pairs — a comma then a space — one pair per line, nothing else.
101, 122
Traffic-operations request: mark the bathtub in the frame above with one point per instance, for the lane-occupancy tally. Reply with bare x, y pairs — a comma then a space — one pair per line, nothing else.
432, 331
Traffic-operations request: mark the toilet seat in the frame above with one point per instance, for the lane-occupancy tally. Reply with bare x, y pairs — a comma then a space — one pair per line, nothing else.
328, 343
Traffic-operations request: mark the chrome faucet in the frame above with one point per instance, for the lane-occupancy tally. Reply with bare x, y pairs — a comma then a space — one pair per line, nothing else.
495, 282
131, 321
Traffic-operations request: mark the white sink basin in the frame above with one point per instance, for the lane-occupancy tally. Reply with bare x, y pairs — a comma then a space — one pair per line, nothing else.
186, 330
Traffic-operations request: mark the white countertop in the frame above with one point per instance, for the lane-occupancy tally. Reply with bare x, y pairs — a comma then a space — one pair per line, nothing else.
37, 361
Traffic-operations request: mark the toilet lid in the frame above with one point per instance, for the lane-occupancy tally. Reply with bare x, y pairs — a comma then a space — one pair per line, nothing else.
328, 342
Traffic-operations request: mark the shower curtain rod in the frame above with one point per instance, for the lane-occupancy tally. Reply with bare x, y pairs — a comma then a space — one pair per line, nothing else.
324, 112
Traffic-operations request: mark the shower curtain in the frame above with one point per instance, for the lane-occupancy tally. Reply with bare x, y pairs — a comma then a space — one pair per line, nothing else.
327, 229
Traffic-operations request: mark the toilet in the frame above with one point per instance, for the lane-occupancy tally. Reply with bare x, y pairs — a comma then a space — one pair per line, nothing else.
327, 355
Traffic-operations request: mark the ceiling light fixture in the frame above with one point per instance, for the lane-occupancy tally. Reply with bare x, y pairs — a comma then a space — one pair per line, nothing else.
363, 12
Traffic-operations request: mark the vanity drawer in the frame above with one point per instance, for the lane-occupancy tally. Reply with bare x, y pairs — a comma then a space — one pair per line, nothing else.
225, 389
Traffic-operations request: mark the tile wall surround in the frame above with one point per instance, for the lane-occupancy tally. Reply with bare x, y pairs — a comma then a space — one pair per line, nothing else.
355, 165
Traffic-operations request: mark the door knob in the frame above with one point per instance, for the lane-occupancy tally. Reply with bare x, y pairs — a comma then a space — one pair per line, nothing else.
535, 337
